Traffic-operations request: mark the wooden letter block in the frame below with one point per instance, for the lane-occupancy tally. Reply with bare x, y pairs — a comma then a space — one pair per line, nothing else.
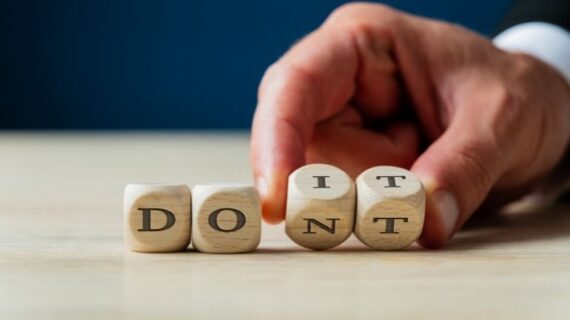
390, 209
157, 217
320, 206
227, 218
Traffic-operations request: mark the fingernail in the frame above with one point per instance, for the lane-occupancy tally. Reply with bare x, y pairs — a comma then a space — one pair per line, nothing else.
261, 187
268, 210
447, 208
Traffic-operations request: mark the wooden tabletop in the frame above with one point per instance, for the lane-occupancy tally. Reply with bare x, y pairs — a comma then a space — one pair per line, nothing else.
62, 255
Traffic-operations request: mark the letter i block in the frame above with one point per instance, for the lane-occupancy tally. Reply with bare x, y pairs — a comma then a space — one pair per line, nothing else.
390, 209
227, 218
320, 206
157, 217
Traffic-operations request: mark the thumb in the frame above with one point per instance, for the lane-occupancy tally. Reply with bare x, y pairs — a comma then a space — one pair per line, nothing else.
458, 171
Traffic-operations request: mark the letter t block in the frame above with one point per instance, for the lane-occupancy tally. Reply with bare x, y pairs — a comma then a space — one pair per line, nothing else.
320, 206
157, 217
390, 209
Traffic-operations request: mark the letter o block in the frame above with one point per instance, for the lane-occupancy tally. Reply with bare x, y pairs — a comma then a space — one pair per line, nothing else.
157, 217
226, 219
390, 208
320, 206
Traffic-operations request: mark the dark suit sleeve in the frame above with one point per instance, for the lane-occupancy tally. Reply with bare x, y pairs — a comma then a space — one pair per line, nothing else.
552, 11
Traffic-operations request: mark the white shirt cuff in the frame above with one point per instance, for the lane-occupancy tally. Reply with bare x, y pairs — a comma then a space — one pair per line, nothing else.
545, 41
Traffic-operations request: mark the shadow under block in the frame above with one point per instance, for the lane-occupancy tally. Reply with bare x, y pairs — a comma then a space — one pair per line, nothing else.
226, 218
320, 206
157, 217
390, 208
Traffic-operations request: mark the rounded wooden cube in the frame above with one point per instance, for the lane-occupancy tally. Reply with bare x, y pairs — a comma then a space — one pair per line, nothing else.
320, 206
226, 218
390, 208
157, 217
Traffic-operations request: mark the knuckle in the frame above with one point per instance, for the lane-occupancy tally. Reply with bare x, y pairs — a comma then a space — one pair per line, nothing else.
525, 66
267, 78
480, 163
349, 10
289, 81
505, 106
273, 73
298, 74
355, 11
288, 73
269, 72
504, 112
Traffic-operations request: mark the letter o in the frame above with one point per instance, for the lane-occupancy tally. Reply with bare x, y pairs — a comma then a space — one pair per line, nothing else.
213, 220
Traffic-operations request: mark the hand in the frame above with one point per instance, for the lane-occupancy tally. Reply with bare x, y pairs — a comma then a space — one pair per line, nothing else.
486, 121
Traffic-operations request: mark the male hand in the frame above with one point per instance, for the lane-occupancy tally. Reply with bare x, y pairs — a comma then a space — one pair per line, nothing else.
487, 122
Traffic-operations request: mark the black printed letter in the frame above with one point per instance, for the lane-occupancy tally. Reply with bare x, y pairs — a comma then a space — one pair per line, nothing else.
331, 229
146, 214
213, 220
390, 222
321, 182
391, 181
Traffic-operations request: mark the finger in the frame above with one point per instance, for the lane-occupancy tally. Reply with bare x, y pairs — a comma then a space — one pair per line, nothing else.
377, 91
296, 93
458, 171
342, 141
393, 62
311, 83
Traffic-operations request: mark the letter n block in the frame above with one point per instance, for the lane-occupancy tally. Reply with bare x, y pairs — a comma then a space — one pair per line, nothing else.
227, 218
390, 208
320, 206
157, 217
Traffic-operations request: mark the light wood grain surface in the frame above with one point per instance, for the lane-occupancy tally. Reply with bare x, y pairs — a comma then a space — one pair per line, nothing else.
167, 211
329, 200
62, 254
383, 193
225, 203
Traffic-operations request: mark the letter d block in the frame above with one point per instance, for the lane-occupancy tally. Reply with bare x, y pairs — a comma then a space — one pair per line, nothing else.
320, 206
227, 218
390, 208
157, 217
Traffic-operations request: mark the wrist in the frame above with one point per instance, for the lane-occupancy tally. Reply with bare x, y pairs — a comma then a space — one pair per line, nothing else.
545, 41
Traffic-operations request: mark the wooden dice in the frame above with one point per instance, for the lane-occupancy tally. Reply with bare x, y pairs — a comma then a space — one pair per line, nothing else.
390, 208
320, 206
226, 218
157, 217
385, 209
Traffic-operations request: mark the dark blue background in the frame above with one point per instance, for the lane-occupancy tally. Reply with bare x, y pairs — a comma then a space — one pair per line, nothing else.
161, 64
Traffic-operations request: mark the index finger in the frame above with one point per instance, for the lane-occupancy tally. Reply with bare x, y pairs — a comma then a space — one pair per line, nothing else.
347, 58
312, 82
